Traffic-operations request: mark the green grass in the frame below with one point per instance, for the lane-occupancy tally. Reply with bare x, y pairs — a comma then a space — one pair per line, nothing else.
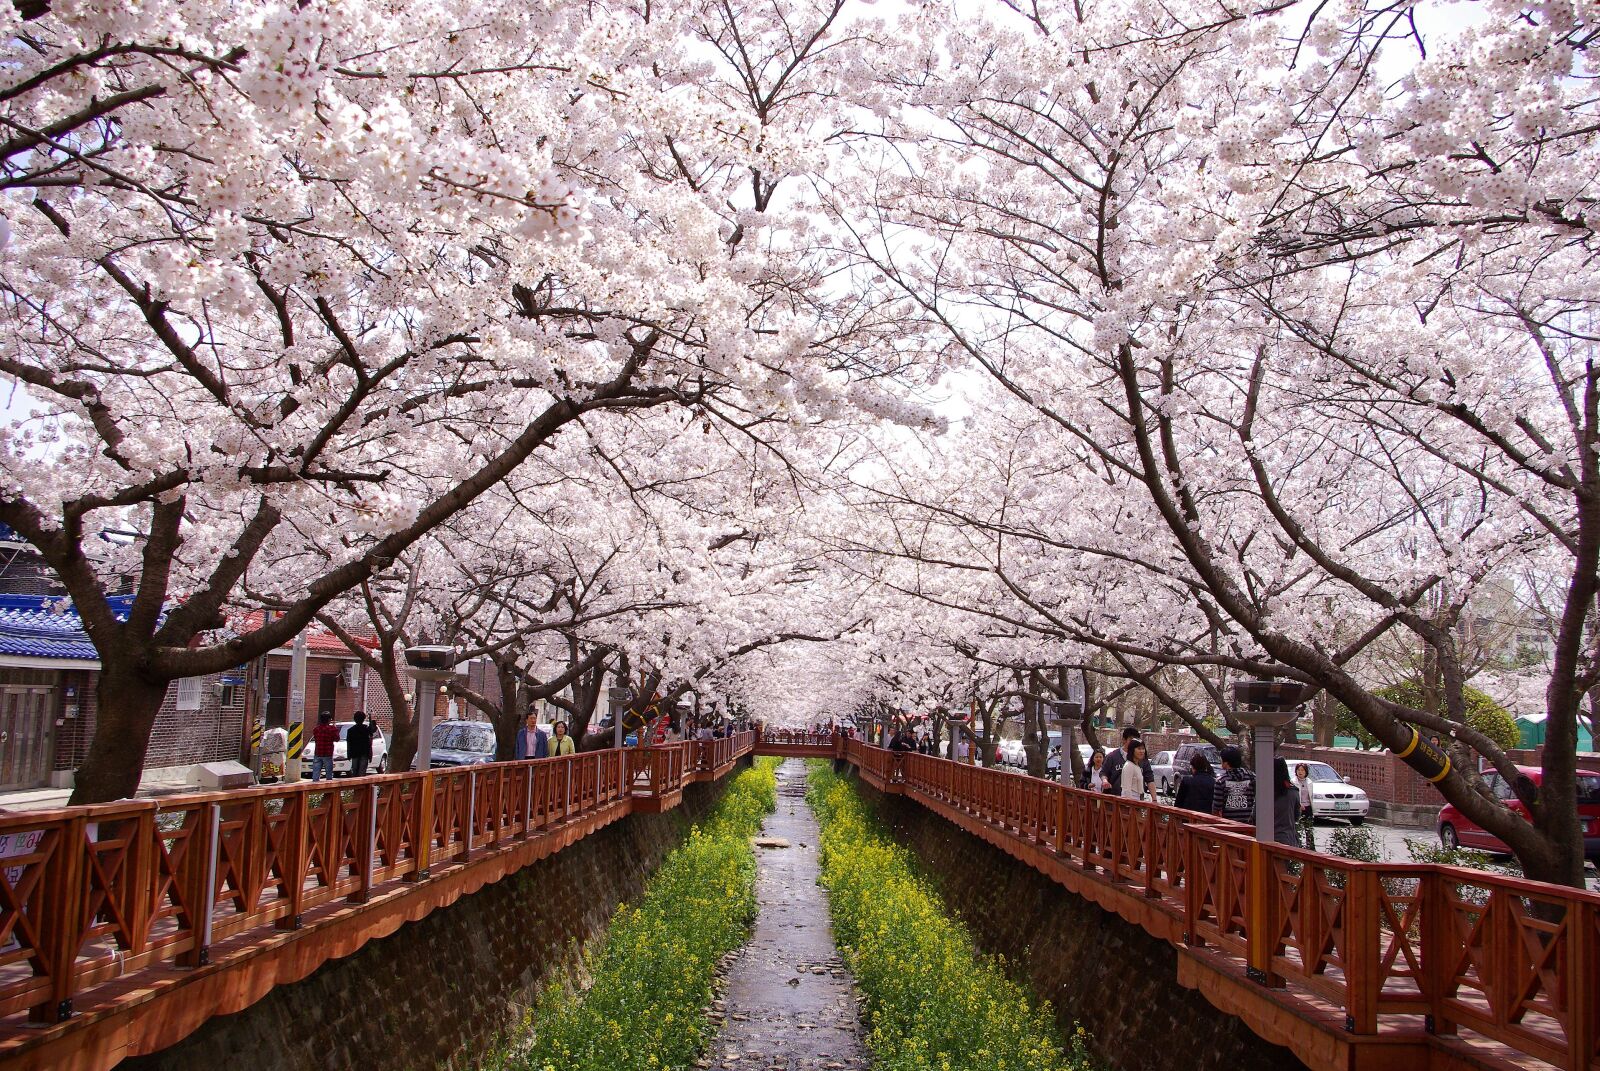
654, 974
933, 1000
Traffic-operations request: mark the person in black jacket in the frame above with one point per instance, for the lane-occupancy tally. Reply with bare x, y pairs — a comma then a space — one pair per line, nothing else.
902, 740
358, 744
1198, 791
1114, 761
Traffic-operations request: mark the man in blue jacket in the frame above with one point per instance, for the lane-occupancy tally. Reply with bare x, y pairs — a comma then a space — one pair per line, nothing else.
532, 743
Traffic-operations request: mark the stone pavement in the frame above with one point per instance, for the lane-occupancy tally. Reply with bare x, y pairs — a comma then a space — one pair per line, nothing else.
788, 1003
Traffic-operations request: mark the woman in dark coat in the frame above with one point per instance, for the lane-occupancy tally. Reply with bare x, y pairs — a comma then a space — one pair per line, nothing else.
1196, 790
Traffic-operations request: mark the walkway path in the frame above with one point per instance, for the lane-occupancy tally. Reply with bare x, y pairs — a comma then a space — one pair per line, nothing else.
788, 1000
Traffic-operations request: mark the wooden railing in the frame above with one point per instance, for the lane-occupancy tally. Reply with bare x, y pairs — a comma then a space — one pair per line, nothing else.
1516, 961
91, 894
796, 738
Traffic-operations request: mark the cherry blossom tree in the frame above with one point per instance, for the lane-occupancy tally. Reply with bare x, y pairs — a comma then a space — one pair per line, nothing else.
296, 283
1299, 295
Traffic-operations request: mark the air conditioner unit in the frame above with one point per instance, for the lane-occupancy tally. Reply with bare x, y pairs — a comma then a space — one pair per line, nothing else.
351, 674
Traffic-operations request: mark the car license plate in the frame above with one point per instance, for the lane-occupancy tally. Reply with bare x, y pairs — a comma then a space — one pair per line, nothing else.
1341, 805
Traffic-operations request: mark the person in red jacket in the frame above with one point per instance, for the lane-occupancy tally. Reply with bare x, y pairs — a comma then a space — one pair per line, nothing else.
323, 739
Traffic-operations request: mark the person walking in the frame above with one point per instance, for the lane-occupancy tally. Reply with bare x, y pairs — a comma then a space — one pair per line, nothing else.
1094, 774
1285, 805
1308, 817
532, 743
1133, 784
561, 743
324, 738
1235, 794
1197, 791
358, 744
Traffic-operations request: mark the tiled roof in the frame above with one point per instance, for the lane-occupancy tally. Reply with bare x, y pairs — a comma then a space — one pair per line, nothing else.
47, 626
318, 639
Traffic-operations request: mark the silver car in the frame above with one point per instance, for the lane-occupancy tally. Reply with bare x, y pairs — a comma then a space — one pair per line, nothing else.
1166, 777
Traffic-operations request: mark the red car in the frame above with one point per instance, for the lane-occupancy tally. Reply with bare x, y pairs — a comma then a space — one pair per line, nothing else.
1457, 830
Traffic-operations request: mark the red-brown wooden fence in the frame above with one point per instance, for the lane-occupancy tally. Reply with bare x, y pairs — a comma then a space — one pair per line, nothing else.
91, 894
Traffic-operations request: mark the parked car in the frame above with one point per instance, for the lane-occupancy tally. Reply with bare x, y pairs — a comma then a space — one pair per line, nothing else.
1457, 830
380, 751
1183, 761
1165, 773
1333, 796
462, 743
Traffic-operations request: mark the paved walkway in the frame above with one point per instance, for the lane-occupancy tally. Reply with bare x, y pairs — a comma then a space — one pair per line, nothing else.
788, 1002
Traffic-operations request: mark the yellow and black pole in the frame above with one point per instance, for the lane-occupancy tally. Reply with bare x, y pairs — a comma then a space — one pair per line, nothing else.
297, 708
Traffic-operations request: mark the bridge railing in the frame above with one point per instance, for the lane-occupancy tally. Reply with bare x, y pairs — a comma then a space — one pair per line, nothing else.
88, 894
1516, 961
796, 738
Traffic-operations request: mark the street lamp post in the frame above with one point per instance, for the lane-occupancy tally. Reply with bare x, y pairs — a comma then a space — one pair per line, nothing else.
619, 697
1266, 704
429, 665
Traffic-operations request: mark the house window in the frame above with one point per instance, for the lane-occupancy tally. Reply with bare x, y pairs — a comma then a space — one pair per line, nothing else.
189, 692
327, 693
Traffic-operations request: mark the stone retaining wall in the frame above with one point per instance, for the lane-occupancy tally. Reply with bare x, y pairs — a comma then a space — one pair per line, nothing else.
1115, 979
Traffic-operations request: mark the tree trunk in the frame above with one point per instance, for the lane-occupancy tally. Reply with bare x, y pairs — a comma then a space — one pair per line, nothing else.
507, 719
403, 724
128, 706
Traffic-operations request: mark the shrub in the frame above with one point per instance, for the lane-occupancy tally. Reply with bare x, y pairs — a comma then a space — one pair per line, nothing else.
653, 975
1355, 842
932, 999
1483, 714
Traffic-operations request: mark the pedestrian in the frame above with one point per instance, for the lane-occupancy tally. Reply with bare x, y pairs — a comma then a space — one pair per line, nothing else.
1285, 805
1133, 786
1114, 761
902, 740
324, 738
1197, 791
561, 743
358, 744
1094, 774
1235, 794
532, 743
1308, 816
1117, 756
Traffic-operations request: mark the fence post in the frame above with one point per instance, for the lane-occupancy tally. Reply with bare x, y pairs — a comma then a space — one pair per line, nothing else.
200, 883
295, 847
1193, 889
424, 829
472, 814
1583, 992
369, 850
1361, 910
60, 930
1258, 893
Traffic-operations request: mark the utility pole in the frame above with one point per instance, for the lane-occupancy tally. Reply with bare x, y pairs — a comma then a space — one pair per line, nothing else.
297, 708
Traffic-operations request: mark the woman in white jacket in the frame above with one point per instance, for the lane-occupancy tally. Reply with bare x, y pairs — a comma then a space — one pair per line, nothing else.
1133, 774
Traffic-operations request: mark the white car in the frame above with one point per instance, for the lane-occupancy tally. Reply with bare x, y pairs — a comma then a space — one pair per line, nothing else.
1331, 795
1011, 753
380, 751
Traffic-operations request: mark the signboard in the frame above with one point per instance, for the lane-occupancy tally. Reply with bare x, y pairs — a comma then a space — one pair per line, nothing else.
12, 846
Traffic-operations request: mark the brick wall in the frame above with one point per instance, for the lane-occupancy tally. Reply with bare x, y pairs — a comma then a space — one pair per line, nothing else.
441, 991
72, 735
1115, 979
212, 733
